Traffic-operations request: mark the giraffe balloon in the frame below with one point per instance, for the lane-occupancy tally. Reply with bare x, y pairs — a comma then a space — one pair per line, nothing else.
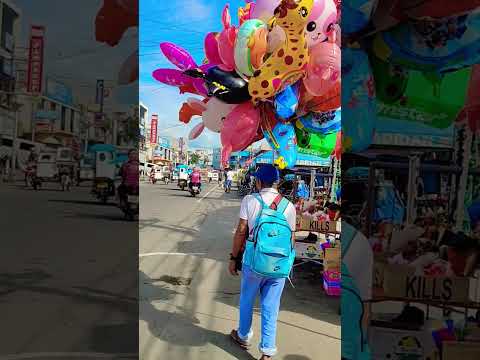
287, 65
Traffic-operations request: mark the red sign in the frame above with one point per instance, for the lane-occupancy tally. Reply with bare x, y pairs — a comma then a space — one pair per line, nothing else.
153, 129
35, 60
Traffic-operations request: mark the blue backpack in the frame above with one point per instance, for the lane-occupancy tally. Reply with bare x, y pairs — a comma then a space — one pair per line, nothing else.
269, 251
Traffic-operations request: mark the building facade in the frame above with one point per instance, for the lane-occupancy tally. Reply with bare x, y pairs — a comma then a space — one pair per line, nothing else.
143, 117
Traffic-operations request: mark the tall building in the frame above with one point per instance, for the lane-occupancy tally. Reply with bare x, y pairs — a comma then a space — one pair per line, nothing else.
217, 158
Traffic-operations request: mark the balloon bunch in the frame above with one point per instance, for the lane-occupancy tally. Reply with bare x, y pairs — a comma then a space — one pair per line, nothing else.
398, 58
275, 76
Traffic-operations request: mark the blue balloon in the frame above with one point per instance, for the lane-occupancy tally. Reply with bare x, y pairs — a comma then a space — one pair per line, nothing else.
286, 102
356, 14
283, 141
322, 123
358, 101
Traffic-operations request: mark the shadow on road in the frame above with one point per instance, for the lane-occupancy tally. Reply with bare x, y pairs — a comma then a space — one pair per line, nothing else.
185, 332
83, 202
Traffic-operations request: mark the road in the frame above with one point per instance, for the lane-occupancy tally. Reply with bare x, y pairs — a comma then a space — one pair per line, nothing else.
188, 300
68, 276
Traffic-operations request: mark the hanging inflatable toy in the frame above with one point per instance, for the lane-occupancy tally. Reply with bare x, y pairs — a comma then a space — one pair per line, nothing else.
356, 14
471, 111
287, 65
213, 112
114, 19
211, 48
239, 130
329, 101
226, 41
226, 86
321, 21
264, 9
245, 13
250, 46
323, 69
286, 102
196, 131
434, 46
321, 145
188, 111
358, 100
321, 123
390, 80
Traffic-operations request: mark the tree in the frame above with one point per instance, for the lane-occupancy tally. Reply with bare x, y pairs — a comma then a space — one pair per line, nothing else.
195, 158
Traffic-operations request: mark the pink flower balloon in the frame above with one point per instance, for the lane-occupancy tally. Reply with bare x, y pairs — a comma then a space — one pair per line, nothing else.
226, 41
324, 68
239, 130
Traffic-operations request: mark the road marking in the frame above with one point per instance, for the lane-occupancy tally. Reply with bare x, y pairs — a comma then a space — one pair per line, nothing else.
208, 193
170, 253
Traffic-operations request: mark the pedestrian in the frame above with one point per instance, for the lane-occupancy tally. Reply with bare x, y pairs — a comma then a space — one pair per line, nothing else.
270, 288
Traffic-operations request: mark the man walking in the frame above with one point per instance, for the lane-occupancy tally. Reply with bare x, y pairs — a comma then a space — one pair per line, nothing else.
270, 288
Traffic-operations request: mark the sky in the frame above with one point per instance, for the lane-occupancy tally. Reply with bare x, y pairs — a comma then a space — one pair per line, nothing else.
184, 23
72, 55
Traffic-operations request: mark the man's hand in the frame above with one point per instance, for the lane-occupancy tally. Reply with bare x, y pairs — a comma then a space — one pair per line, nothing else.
232, 268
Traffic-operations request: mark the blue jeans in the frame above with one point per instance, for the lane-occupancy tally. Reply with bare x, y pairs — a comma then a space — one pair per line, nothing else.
270, 290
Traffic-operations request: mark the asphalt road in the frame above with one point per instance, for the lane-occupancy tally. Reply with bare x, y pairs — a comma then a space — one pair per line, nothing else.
188, 301
68, 276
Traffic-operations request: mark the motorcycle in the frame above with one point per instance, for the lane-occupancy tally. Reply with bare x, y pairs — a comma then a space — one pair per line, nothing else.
130, 206
153, 179
195, 190
103, 190
182, 184
65, 182
31, 178
166, 180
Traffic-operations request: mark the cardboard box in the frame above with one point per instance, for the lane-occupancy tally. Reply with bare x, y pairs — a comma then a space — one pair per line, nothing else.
455, 350
332, 259
395, 344
307, 224
400, 281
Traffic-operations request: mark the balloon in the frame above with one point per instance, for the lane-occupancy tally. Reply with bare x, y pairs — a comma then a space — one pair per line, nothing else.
214, 112
390, 80
113, 20
239, 130
286, 102
321, 21
196, 131
264, 9
287, 65
322, 145
245, 14
358, 100
435, 46
188, 111
178, 56
226, 41
224, 85
276, 38
338, 146
329, 101
324, 67
471, 110
356, 14
250, 47
211, 48
283, 140
321, 123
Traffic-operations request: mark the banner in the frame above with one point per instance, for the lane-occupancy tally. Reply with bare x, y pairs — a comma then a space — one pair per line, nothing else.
57, 91
153, 129
35, 59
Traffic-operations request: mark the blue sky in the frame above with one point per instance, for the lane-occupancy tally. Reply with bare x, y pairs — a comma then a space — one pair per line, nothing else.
185, 23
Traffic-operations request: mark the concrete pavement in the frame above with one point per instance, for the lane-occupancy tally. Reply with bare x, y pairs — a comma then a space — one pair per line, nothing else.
188, 301
68, 280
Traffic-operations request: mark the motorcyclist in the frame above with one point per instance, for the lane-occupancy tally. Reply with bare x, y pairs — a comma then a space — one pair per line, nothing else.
195, 179
129, 174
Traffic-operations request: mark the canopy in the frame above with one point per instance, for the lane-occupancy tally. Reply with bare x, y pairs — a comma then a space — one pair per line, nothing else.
302, 160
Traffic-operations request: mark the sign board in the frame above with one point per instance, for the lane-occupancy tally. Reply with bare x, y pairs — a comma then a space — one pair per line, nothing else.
401, 281
409, 140
57, 91
35, 59
307, 224
153, 129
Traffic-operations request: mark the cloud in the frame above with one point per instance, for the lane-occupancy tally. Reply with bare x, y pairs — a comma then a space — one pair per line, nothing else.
195, 10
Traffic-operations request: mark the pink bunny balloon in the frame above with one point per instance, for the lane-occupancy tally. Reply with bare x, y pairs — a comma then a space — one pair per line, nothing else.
321, 20
196, 131
211, 48
324, 67
239, 130
226, 41
214, 112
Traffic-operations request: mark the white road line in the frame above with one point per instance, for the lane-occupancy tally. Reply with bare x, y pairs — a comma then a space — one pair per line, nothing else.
208, 193
170, 254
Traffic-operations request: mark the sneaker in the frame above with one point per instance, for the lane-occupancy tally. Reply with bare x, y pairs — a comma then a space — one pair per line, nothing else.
242, 343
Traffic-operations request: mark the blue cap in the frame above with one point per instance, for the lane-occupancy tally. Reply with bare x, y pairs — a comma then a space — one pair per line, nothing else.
267, 173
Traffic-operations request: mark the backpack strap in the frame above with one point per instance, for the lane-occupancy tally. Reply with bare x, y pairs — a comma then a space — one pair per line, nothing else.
276, 202
260, 200
282, 205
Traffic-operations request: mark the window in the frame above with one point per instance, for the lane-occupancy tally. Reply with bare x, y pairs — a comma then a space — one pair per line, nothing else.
72, 121
63, 118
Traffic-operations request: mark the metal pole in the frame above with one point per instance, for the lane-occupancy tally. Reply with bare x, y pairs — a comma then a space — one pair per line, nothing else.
462, 186
312, 183
413, 174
